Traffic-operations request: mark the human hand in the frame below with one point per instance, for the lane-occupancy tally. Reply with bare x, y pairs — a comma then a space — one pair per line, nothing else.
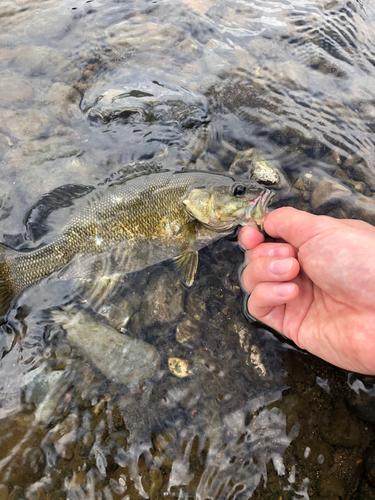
315, 284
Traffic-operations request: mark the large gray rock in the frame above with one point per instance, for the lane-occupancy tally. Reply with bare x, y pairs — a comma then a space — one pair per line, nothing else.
120, 358
63, 100
364, 208
14, 90
365, 173
24, 123
44, 25
146, 35
43, 61
328, 192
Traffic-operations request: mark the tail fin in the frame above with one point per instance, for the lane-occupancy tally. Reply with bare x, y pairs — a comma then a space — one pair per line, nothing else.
6, 288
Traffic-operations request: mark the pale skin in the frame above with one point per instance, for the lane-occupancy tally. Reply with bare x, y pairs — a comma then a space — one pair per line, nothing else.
315, 284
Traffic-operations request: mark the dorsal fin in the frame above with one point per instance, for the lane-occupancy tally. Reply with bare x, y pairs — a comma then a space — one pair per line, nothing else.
36, 218
131, 170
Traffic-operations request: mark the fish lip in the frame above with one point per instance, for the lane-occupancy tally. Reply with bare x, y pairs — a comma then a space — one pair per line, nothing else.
266, 198
259, 206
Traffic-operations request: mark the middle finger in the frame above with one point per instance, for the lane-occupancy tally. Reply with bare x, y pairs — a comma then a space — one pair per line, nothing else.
268, 269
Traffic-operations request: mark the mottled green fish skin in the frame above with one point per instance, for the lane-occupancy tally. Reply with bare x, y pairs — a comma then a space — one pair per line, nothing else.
118, 229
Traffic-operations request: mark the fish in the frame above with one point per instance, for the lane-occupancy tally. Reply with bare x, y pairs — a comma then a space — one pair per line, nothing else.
129, 224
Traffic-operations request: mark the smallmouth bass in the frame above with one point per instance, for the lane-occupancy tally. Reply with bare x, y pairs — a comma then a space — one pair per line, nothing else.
131, 224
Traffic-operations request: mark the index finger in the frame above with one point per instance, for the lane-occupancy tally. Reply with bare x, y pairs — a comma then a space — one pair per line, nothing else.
292, 225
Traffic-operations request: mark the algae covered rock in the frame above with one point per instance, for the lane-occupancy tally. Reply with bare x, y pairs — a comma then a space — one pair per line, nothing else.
258, 166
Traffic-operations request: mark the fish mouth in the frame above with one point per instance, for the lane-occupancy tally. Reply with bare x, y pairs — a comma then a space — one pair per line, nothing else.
258, 209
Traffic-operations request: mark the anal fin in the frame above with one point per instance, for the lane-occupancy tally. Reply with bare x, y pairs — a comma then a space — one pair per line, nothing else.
186, 265
96, 292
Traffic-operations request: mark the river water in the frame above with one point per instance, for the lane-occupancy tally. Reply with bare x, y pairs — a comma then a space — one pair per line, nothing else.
87, 87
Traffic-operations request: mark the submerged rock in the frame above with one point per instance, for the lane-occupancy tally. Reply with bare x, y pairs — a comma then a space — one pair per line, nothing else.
119, 313
364, 208
43, 61
341, 428
63, 101
43, 150
145, 36
363, 404
44, 25
120, 358
24, 123
41, 165
14, 90
200, 5
45, 391
265, 173
364, 172
327, 193
146, 103
191, 326
163, 300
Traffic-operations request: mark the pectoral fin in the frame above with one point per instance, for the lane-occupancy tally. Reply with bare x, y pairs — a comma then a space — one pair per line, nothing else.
186, 265
189, 229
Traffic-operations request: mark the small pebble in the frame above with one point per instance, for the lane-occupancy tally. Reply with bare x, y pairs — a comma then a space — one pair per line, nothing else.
179, 367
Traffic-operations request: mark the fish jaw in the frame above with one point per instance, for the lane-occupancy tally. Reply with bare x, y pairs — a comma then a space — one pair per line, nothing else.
257, 209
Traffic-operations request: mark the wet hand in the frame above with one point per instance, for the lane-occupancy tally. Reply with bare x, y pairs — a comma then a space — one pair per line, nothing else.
316, 286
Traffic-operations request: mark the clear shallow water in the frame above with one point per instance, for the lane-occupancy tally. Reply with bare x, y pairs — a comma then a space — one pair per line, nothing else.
87, 87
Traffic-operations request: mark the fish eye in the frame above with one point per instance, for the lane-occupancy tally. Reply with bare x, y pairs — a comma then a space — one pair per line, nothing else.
238, 190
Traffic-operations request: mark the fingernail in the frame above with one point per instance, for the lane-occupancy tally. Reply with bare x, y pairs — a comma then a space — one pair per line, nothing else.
279, 251
281, 266
285, 289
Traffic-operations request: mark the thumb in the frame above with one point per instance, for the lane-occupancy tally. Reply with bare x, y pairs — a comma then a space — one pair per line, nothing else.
293, 226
